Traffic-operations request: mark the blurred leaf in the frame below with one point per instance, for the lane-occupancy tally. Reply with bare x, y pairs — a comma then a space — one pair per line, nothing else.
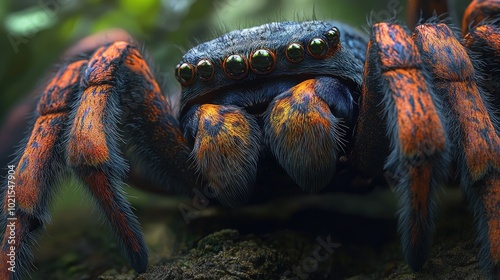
115, 19
144, 12
28, 22
68, 26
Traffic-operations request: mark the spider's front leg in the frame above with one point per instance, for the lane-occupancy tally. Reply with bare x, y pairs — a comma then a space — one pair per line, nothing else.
422, 90
484, 41
401, 131
38, 167
473, 129
80, 118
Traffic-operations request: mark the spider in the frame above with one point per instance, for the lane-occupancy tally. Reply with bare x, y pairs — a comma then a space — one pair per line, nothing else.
298, 97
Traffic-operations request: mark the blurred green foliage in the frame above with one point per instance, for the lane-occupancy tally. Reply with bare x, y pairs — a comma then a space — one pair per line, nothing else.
34, 33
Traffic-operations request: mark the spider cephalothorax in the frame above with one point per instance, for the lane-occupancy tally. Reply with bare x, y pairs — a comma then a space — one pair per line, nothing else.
416, 107
237, 101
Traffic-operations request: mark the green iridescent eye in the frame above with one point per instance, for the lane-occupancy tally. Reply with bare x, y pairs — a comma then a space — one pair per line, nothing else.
205, 69
184, 73
317, 48
262, 61
333, 36
235, 66
295, 52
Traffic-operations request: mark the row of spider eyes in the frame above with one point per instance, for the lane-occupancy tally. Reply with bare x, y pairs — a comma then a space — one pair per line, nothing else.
262, 61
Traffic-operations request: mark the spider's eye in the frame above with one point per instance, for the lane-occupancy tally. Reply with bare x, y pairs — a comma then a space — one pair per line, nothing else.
184, 73
317, 48
295, 52
205, 69
333, 36
235, 66
262, 61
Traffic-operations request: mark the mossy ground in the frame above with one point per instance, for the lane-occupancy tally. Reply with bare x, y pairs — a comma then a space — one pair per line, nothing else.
276, 240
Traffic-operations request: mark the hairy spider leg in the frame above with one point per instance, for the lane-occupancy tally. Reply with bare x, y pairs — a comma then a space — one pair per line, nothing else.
226, 149
13, 129
476, 142
484, 40
93, 150
478, 11
157, 147
119, 93
305, 131
401, 130
39, 165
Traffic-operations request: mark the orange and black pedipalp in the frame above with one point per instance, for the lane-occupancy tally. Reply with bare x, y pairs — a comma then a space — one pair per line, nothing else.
225, 150
305, 124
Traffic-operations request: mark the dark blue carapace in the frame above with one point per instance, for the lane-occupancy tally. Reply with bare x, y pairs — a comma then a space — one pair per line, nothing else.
226, 62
